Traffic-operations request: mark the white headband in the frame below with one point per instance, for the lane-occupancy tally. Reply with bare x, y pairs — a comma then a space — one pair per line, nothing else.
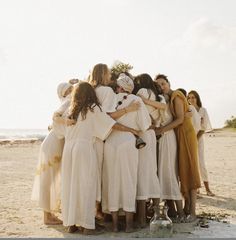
62, 88
125, 82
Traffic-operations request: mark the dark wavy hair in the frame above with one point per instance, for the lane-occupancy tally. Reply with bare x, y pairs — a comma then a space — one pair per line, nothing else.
196, 95
83, 99
145, 81
183, 91
161, 76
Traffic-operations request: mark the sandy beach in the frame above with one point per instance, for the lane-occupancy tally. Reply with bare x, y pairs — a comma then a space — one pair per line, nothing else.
20, 217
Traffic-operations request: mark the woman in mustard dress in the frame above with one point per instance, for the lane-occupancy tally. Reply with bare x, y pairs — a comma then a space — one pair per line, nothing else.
187, 146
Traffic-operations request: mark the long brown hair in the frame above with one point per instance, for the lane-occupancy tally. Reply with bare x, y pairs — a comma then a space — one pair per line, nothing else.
99, 75
196, 95
83, 99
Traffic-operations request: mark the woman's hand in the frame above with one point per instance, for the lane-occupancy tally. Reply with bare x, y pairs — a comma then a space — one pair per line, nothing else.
159, 130
133, 106
143, 98
70, 122
188, 114
135, 132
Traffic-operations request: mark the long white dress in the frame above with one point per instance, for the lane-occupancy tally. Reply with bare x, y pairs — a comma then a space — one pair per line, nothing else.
79, 168
107, 99
121, 158
167, 162
205, 126
148, 183
47, 182
196, 119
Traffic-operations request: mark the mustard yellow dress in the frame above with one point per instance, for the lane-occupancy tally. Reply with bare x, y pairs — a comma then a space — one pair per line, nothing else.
187, 149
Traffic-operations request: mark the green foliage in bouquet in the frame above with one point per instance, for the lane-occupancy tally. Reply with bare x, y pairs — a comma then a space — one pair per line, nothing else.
120, 67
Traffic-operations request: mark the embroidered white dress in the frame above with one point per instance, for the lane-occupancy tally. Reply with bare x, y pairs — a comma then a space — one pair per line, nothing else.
167, 162
79, 168
148, 182
120, 167
205, 126
47, 183
107, 99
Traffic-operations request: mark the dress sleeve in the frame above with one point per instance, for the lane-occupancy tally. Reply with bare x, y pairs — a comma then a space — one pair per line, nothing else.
102, 124
64, 106
196, 119
59, 128
143, 118
109, 101
206, 124
142, 92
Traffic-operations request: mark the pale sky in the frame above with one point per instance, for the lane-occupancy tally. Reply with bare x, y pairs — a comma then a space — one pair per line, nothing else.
45, 42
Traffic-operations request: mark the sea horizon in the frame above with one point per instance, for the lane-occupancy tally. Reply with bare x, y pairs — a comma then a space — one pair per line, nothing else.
22, 133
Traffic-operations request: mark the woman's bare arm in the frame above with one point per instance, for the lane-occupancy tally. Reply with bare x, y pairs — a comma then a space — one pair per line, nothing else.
153, 103
57, 118
179, 111
123, 128
132, 107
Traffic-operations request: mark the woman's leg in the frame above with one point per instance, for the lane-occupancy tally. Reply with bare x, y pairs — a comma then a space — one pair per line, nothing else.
129, 216
141, 209
208, 191
114, 221
192, 207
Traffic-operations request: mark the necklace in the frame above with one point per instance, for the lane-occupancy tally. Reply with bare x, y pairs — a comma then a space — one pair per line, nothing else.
120, 102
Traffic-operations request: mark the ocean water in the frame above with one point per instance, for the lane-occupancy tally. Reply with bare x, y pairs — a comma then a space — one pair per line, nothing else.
16, 134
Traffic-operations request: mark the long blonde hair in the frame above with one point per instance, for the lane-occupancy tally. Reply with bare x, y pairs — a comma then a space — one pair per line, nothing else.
100, 75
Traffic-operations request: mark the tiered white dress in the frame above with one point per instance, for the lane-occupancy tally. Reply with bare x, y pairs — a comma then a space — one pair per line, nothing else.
47, 183
79, 168
120, 168
148, 182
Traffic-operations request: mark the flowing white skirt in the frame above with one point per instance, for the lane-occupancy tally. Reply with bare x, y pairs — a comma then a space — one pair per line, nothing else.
148, 182
168, 167
47, 181
120, 168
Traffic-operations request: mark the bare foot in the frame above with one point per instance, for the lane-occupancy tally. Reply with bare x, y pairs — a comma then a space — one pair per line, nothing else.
99, 216
210, 193
51, 219
115, 228
72, 229
191, 218
92, 231
129, 230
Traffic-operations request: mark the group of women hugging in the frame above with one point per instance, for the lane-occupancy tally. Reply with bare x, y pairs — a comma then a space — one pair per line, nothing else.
90, 167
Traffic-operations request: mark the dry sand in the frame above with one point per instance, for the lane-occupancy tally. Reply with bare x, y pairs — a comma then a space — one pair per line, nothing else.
20, 217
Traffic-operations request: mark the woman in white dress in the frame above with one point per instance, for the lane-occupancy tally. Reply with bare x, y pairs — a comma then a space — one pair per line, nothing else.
121, 158
167, 159
46, 188
194, 99
148, 183
100, 78
79, 160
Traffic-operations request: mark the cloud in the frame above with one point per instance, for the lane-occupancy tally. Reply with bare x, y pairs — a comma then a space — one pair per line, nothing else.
205, 34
